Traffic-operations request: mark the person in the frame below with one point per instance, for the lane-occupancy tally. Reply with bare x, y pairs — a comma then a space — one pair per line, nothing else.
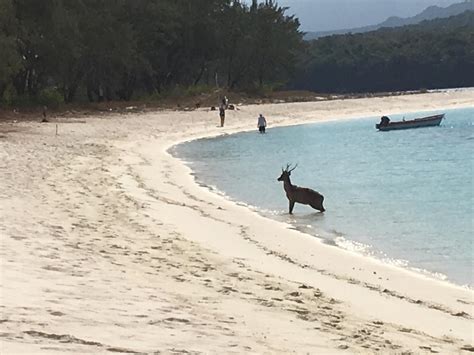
222, 114
225, 102
384, 121
261, 124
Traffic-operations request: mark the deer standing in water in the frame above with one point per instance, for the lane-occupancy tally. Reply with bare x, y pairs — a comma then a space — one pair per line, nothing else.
300, 194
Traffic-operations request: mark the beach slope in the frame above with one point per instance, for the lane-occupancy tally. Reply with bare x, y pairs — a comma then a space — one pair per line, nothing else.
108, 245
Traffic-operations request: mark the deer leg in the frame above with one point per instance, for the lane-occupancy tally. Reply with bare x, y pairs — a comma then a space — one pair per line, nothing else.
292, 204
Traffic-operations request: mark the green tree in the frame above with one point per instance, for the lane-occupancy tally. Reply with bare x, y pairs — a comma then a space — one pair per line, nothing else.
10, 58
111, 49
110, 56
433, 54
277, 42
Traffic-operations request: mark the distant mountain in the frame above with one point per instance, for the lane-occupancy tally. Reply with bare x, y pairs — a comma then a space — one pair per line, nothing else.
429, 13
452, 23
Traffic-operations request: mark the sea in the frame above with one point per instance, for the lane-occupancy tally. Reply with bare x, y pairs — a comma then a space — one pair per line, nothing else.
404, 197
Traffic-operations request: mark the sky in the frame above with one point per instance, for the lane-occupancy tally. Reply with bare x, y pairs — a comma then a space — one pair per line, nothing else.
327, 15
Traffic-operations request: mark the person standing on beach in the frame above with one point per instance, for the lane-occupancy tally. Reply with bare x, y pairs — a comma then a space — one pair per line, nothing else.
222, 114
261, 124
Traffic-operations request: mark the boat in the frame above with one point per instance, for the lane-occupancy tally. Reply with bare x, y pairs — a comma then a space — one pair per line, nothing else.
386, 125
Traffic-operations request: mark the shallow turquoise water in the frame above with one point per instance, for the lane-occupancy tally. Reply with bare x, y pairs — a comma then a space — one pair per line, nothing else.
402, 196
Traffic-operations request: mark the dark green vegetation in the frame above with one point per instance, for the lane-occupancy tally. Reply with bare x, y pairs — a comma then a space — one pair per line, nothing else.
54, 51
62, 51
433, 54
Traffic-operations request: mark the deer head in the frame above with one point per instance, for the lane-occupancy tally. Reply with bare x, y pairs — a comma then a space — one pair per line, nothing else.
285, 173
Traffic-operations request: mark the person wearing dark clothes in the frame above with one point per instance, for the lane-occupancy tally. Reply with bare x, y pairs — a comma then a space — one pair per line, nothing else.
384, 121
222, 114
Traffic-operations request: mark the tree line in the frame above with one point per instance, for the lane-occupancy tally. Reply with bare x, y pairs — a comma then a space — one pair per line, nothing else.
55, 51
433, 54
72, 50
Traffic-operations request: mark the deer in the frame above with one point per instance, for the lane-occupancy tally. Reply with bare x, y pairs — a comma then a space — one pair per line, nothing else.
301, 195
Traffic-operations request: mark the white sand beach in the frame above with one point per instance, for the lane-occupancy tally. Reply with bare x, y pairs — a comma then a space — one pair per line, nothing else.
109, 245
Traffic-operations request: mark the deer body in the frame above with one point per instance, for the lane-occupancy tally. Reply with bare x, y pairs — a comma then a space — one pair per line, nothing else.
298, 194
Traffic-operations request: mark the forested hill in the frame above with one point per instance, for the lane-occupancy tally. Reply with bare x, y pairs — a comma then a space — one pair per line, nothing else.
56, 51
430, 13
63, 50
433, 54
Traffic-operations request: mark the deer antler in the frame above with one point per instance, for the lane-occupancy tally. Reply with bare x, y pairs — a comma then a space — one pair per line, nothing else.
292, 168
288, 168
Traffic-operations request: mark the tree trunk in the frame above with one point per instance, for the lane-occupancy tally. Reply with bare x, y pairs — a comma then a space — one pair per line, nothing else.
201, 72
90, 93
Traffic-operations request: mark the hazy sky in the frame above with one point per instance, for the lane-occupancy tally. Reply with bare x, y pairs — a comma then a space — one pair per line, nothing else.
325, 15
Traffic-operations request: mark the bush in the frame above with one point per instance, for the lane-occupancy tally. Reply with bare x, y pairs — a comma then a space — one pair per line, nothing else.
50, 97
188, 91
9, 97
196, 90
153, 97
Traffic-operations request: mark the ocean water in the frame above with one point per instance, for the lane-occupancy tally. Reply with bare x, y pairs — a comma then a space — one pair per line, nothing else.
405, 197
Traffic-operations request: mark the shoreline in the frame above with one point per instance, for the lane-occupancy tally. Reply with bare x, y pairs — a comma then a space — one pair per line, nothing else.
379, 254
111, 242
401, 264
